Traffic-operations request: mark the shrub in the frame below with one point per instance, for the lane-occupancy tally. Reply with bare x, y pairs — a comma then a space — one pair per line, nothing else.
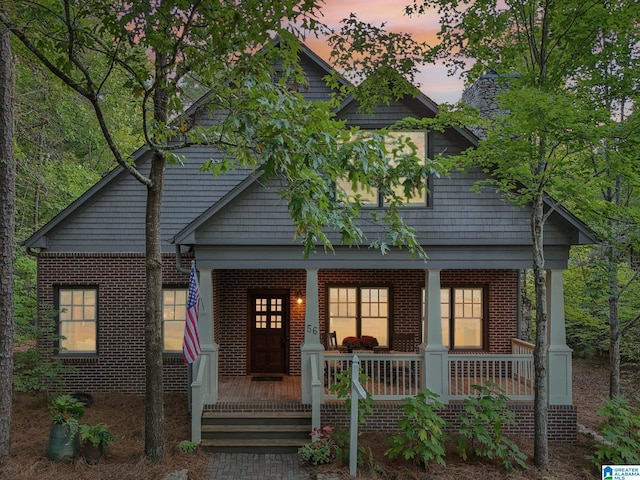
482, 428
186, 446
620, 432
423, 437
321, 448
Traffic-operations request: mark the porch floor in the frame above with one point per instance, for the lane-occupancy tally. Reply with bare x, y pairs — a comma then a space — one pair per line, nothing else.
245, 390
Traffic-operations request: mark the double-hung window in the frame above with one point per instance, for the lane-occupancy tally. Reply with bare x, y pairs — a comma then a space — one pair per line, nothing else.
174, 314
357, 311
78, 320
396, 144
463, 316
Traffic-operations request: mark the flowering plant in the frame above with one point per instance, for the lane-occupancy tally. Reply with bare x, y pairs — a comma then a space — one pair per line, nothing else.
368, 342
320, 449
351, 342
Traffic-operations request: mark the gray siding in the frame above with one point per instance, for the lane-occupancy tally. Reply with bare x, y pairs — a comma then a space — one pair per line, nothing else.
113, 221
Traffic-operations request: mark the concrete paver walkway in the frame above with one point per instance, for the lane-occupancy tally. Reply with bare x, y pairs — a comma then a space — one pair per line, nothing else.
253, 466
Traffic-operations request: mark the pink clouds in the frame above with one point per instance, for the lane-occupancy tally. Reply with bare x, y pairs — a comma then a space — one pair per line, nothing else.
433, 79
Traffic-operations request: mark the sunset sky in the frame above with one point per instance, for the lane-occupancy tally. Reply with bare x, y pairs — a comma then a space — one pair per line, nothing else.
433, 80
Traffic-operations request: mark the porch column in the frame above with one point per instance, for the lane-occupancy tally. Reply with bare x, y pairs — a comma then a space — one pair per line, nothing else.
435, 371
559, 366
312, 344
207, 340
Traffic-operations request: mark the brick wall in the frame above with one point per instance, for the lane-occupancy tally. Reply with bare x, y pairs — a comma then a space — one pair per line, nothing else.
119, 278
386, 415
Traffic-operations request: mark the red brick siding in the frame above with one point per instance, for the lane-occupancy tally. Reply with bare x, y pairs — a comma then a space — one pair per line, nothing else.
121, 312
120, 282
387, 414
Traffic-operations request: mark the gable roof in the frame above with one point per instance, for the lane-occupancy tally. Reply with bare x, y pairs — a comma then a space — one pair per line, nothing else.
109, 217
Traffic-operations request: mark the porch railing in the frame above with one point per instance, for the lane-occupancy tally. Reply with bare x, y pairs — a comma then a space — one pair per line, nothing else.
520, 347
199, 386
511, 374
391, 376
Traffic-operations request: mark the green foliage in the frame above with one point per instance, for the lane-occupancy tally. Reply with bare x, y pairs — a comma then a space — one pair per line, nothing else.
66, 410
482, 428
35, 368
423, 437
620, 432
342, 389
187, 446
97, 435
321, 449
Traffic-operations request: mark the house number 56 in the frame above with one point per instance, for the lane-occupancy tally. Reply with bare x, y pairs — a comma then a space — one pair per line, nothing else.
311, 329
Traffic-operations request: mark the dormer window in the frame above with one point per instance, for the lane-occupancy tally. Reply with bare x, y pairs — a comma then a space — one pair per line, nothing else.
394, 142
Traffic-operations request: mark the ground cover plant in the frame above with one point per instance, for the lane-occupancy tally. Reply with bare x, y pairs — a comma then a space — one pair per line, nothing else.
125, 459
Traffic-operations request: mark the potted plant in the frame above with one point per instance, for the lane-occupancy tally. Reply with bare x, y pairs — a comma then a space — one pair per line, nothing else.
95, 441
64, 438
351, 343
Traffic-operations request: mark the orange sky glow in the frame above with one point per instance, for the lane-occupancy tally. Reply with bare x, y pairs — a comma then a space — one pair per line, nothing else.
432, 80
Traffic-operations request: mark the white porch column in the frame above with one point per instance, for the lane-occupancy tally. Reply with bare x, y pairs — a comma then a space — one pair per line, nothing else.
207, 339
559, 366
312, 342
435, 371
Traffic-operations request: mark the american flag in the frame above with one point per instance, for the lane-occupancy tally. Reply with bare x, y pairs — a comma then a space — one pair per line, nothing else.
191, 341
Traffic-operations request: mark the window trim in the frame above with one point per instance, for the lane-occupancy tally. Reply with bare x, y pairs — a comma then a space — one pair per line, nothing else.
359, 287
56, 303
172, 353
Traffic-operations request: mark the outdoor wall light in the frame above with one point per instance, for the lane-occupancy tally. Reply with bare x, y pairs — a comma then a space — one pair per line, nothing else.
298, 298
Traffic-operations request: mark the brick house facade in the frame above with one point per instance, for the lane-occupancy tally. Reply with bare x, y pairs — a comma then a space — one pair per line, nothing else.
238, 232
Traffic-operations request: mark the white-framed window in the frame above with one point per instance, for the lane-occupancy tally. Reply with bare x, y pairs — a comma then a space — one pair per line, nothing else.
78, 319
174, 314
394, 142
356, 311
462, 312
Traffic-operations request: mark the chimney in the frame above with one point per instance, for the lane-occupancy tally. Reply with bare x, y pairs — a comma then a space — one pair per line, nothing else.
482, 95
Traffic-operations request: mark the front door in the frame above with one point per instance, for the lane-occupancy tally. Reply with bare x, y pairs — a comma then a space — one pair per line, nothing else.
268, 326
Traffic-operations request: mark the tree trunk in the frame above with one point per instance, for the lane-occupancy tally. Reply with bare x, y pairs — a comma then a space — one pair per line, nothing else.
614, 323
541, 410
154, 392
7, 222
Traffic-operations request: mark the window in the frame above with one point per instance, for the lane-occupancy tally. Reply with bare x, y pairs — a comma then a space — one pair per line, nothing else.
357, 311
174, 314
78, 319
462, 313
395, 141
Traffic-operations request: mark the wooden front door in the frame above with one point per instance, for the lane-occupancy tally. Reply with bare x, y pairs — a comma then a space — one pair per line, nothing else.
268, 327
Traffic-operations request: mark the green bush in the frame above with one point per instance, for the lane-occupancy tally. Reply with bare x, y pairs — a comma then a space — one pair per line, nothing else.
482, 428
620, 432
423, 437
321, 448
35, 368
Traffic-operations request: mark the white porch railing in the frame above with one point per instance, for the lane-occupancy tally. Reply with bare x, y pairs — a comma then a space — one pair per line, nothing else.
520, 347
199, 386
512, 374
391, 376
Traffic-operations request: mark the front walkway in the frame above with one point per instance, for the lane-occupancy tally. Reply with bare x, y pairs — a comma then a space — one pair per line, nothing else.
253, 466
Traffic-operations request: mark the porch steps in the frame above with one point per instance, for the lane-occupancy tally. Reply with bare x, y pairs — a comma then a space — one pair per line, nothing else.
255, 432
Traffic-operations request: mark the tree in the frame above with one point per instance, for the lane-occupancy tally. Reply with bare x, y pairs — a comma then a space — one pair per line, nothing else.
608, 83
7, 199
228, 48
531, 150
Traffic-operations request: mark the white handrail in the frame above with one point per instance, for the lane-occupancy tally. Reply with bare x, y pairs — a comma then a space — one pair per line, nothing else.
197, 398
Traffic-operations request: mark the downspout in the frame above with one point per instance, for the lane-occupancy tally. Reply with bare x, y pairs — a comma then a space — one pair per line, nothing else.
179, 261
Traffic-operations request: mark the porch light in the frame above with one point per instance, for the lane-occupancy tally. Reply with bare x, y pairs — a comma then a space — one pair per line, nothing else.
298, 298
